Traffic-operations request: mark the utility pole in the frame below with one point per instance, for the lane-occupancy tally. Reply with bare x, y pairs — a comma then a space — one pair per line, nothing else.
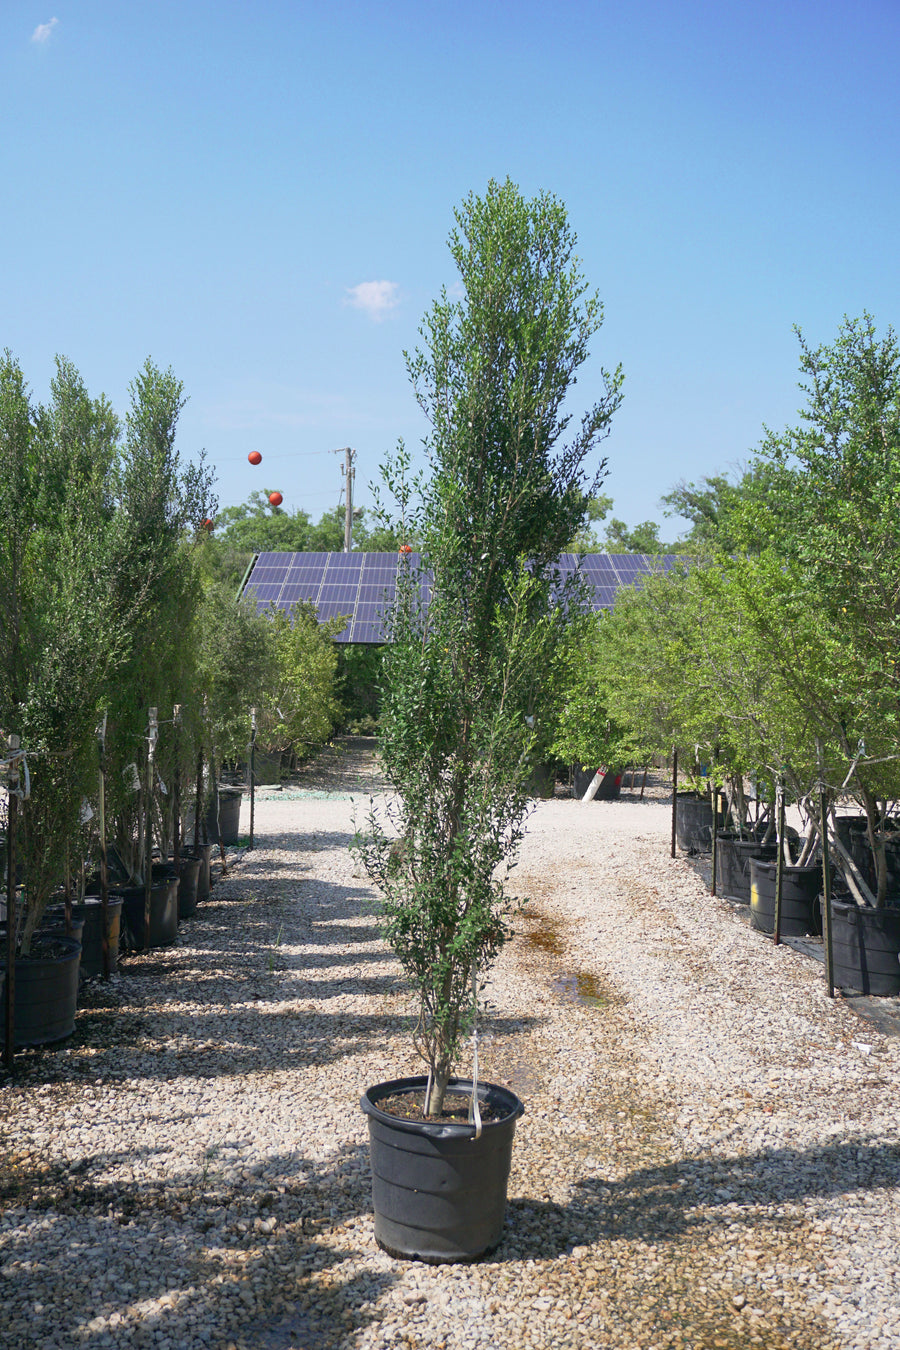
349, 474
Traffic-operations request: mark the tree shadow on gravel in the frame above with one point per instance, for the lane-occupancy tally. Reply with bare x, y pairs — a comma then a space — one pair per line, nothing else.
692, 1198
252, 1262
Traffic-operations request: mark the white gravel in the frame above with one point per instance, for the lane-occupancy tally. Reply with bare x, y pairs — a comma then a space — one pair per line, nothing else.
709, 1155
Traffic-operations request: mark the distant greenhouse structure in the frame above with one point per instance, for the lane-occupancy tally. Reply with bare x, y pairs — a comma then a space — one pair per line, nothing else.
362, 585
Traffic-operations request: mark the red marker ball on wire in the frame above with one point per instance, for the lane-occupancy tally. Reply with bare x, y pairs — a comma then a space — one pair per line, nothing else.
255, 457
275, 499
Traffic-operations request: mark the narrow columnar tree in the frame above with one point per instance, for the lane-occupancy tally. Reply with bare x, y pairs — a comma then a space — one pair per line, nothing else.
504, 491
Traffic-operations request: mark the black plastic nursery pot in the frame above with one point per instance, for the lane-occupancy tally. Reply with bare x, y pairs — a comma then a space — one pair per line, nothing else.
227, 826
610, 785
46, 991
56, 923
542, 780
694, 822
203, 851
188, 882
733, 857
163, 927
266, 767
90, 912
439, 1193
865, 945
800, 912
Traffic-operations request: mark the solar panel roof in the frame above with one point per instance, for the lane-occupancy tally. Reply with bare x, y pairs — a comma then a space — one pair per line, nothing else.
362, 585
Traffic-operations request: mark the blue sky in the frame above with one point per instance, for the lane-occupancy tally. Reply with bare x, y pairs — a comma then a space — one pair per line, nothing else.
260, 196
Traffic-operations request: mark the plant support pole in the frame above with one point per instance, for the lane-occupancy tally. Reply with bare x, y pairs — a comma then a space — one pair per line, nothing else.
252, 758
714, 802
104, 871
9, 1001
779, 868
826, 895
176, 789
674, 792
198, 802
148, 855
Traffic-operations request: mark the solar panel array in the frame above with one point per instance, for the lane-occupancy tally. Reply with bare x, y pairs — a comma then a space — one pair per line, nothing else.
361, 586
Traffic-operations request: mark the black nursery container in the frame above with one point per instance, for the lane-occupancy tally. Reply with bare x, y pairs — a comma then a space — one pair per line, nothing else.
733, 856
163, 928
188, 883
800, 913
229, 816
865, 945
694, 822
46, 991
439, 1193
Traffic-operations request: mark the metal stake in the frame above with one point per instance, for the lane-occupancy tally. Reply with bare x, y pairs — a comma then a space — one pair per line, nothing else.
779, 869
715, 830
152, 733
176, 788
104, 871
674, 793
252, 770
10, 986
199, 799
826, 894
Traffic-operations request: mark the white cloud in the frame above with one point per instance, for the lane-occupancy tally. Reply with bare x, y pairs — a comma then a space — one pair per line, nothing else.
43, 31
375, 298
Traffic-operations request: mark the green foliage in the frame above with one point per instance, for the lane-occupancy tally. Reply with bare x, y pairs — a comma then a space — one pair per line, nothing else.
584, 733
359, 678
503, 498
643, 538
97, 594
236, 667
721, 510
61, 641
781, 654
300, 707
160, 505
840, 535
586, 539
617, 537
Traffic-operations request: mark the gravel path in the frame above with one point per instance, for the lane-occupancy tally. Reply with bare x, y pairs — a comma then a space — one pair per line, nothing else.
709, 1155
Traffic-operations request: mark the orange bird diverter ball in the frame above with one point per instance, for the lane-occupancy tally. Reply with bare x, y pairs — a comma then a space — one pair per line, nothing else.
275, 499
255, 457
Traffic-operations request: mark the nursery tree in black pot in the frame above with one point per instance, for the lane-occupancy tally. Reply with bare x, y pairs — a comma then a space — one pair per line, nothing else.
501, 496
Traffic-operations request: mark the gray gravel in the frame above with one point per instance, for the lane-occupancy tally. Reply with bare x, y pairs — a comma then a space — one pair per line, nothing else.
709, 1155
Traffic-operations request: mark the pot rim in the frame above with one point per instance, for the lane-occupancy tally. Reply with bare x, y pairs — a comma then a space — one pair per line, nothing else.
487, 1092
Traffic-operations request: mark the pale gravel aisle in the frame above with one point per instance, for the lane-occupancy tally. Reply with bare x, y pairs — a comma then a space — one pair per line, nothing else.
709, 1156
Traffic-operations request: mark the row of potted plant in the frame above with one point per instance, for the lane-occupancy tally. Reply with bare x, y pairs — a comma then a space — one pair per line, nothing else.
108, 612
773, 656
